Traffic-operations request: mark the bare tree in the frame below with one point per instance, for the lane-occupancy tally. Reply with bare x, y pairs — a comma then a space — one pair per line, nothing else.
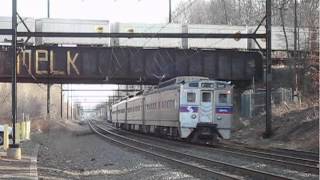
282, 10
250, 12
225, 11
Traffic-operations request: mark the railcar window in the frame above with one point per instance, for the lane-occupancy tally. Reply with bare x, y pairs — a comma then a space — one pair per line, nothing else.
172, 103
220, 85
206, 97
223, 98
207, 85
191, 97
194, 85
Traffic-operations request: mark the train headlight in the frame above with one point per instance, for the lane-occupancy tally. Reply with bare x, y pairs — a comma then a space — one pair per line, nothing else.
193, 116
219, 118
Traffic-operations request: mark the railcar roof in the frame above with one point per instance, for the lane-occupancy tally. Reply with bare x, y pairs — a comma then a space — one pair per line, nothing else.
173, 84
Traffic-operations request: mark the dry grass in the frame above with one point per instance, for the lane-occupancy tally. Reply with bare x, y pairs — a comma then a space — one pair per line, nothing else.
294, 126
40, 125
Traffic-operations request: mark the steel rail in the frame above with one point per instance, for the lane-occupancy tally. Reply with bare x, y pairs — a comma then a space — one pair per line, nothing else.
307, 163
304, 154
135, 35
294, 163
216, 174
243, 171
314, 157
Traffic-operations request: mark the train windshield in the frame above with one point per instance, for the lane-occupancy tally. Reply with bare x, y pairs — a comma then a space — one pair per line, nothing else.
206, 97
223, 98
191, 97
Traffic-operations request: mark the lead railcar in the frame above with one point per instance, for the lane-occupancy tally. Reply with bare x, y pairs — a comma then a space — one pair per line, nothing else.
190, 107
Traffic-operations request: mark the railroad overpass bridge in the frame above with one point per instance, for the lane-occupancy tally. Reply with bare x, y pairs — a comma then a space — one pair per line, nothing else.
127, 65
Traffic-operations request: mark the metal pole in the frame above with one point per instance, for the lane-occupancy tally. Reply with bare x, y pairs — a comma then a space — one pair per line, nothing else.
48, 89
61, 102
170, 20
71, 107
14, 70
48, 85
268, 130
118, 91
48, 9
295, 48
48, 100
68, 105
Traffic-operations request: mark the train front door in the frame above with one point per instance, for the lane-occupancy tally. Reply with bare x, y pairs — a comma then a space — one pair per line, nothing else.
206, 107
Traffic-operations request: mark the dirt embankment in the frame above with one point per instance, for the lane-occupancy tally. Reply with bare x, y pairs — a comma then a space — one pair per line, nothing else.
294, 127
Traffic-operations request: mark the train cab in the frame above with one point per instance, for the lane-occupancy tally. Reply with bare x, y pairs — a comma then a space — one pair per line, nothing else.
205, 110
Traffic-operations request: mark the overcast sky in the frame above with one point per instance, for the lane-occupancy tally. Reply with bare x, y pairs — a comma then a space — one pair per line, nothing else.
151, 11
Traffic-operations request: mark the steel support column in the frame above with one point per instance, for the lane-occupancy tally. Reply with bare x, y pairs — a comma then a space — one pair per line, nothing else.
48, 8
48, 101
295, 91
48, 85
61, 102
170, 18
68, 105
268, 130
14, 70
71, 107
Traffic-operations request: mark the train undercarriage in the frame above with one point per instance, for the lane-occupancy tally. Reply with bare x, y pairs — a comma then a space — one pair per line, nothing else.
204, 133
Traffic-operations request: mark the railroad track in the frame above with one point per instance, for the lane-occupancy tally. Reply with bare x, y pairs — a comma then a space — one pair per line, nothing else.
305, 164
280, 151
302, 154
291, 161
217, 169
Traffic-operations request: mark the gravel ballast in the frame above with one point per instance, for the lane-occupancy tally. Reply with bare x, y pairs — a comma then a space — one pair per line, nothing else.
62, 154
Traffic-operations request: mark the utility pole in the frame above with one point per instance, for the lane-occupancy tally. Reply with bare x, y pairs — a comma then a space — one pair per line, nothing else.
170, 18
71, 107
48, 8
295, 50
48, 85
14, 70
48, 100
61, 102
268, 130
14, 150
68, 104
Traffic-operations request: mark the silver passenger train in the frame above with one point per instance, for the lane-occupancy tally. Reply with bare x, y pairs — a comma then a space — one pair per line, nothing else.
190, 107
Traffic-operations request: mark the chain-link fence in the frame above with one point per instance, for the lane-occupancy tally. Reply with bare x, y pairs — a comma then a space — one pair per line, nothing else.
253, 102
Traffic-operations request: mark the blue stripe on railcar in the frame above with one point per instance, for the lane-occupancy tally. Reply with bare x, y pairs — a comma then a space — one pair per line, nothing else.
224, 110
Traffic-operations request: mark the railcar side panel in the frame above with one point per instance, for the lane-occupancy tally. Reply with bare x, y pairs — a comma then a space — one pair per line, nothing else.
169, 106
121, 112
135, 110
151, 109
